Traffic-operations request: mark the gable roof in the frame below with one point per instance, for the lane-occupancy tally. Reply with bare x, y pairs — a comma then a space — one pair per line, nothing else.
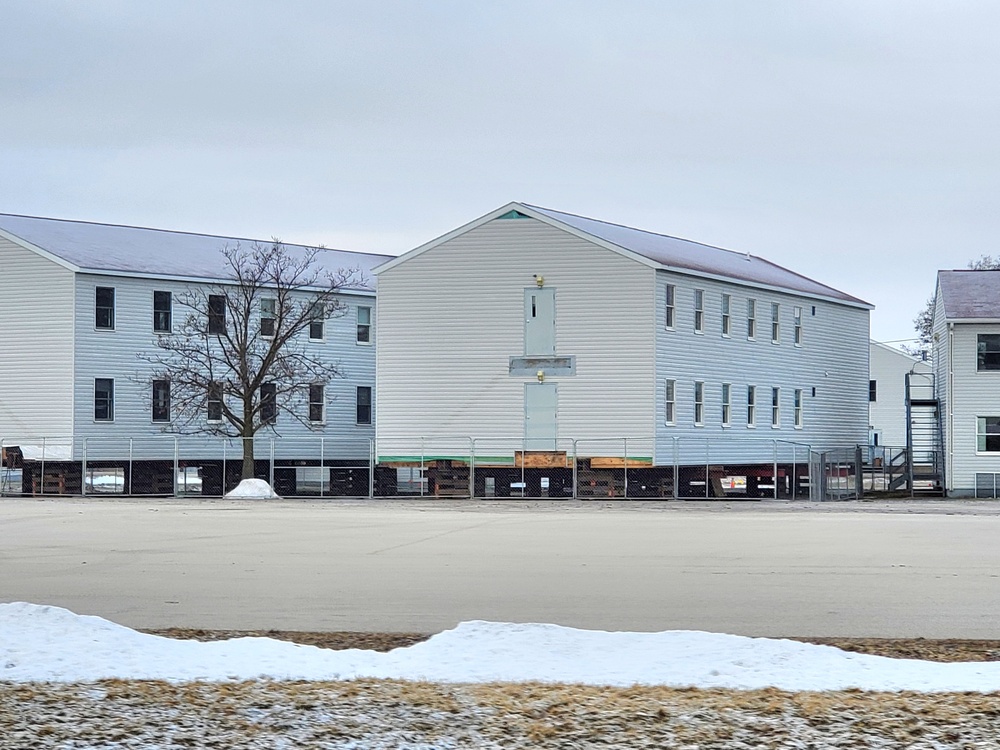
661, 251
136, 251
970, 295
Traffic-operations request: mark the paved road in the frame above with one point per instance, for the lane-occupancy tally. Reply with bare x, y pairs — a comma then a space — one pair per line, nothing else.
926, 570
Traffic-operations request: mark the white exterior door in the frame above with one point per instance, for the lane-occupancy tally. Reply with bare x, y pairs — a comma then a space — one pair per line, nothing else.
540, 404
539, 321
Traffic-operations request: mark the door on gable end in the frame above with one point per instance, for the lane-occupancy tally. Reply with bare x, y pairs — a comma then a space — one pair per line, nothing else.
539, 321
540, 406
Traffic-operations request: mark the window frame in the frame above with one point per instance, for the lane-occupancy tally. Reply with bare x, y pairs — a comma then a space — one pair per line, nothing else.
775, 407
751, 407
214, 396
727, 404
159, 313
216, 314
797, 326
366, 327
982, 353
317, 321
319, 403
751, 319
669, 307
165, 385
699, 403
670, 401
797, 409
775, 323
109, 309
983, 436
269, 313
109, 400
699, 310
359, 405
873, 391
267, 393
727, 318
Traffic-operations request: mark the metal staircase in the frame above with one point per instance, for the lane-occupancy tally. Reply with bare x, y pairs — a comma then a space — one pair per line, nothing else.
923, 461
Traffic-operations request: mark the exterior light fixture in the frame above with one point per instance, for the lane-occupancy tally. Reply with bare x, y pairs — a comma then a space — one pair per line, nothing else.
540, 280
541, 376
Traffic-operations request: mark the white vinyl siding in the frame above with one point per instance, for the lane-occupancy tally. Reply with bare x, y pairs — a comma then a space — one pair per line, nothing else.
36, 344
444, 346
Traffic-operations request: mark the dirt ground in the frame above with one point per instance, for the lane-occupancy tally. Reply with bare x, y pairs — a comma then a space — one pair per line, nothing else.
942, 650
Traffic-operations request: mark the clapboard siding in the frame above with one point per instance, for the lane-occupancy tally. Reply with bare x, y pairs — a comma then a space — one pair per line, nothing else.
113, 354
36, 345
973, 394
887, 414
451, 317
941, 342
833, 359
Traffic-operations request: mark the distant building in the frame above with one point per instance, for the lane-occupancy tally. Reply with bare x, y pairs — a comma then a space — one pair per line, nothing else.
966, 342
79, 300
531, 328
887, 393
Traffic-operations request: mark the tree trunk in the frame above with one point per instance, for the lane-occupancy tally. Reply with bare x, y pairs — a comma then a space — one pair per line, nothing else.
248, 472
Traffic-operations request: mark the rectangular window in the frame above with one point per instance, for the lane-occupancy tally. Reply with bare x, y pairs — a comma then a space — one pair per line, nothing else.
213, 403
751, 405
104, 400
727, 405
699, 402
162, 312
873, 390
797, 334
161, 400
668, 309
364, 401
268, 317
798, 407
104, 308
364, 325
775, 323
775, 407
751, 318
317, 402
317, 321
217, 314
268, 403
988, 434
726, 316
989, 351
669, 402
699, 310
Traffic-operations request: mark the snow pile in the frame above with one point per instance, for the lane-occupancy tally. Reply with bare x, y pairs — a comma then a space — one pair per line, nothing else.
42, 643
252, 489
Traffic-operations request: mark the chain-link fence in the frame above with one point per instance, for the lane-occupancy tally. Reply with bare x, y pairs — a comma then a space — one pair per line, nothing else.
441, 467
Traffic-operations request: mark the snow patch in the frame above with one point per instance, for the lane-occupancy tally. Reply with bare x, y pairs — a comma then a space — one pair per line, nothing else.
252, 489
44, 643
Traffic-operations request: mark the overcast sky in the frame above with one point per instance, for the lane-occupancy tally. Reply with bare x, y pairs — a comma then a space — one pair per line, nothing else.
853, 142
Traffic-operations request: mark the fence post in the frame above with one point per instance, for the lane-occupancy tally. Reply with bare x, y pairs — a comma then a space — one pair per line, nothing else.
83, 469
422, 467
270, 476
177, 467
677, 471
575, 469
472, 468
793, 480
130, 466
625, 450
858, 474
372, 463
708, 461
774, 448
225, 446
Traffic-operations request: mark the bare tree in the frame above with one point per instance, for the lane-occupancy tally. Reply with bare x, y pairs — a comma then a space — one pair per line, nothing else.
239, 356
923, 324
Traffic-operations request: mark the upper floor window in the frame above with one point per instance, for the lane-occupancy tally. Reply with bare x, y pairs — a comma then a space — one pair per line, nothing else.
988, 351
268, 403
364, 325
668, 309
669, 402
161, 400
751, 318
727, 404
216, 313
726, 316
775, 407
873, 390
797, 330
317, 403
699, 310
317, 321
104, 399
699, 402
268, 316
775, 323
213, 403
364, 404
751, 405
162, 312
797, 404
104, 309
988, 434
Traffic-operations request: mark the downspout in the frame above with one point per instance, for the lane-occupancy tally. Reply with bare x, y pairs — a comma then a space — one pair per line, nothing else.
951, 410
